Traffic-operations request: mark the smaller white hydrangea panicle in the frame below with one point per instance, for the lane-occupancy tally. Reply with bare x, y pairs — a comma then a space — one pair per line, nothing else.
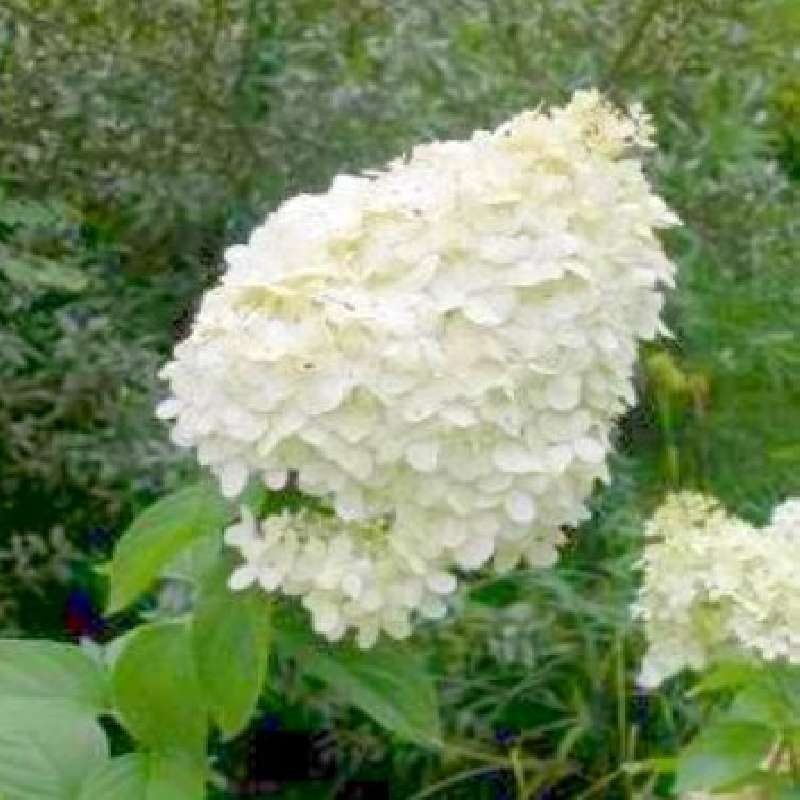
713, 583
445, 343
348, 574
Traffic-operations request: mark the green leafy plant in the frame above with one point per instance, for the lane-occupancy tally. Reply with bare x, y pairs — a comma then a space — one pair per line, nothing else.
170, 680
753, 739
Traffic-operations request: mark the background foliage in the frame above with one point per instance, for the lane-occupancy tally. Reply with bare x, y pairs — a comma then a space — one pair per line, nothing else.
137, 139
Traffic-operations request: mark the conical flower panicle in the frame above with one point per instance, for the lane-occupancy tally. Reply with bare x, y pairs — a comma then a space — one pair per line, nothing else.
714, 583
444, 344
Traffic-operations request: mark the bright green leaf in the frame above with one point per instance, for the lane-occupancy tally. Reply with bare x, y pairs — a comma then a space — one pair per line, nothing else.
46, 752
38, 670
772, 699
387, 682
194, 563
145, 776
730, 674
156, 689
157, 536
760, 703
230, 638
723, 753
174, 778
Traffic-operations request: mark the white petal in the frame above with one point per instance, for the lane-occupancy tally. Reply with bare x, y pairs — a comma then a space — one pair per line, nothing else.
513, 458
475, 552
168, 409
323, 393
589, 449
520, 507
276, 479
352, 585
559, 457
367, 635
531, 273
232, 477
268, 579
241, 578
459, 415
423, 456
563, 392
442, 582
490, 309
244, 532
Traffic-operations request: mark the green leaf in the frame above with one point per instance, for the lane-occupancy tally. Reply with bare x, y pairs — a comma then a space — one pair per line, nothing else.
24, 212
145, 776
195, 562
723, 753
156, 689
46, 752
230, 638
58, 673
175, 779
388, 683
730, 674
34, 272
771, 699
157, 536
760, 703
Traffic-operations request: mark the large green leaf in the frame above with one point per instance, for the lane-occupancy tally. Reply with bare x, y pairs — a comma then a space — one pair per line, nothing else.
387, 682
46, 751
156, 689
145, 776
49, 671
157, 536
772, 699
723, 753
230, 638
195, 562
729, 674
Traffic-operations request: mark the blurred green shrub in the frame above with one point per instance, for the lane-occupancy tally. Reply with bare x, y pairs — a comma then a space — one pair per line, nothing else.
79, 350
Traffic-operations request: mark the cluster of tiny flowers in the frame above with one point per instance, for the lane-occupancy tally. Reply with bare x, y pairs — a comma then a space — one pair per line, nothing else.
714, 584
439, 349
347, 574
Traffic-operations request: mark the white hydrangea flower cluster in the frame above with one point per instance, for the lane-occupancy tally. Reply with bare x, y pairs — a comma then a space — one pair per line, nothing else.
441, 346
713, 583
344, 572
